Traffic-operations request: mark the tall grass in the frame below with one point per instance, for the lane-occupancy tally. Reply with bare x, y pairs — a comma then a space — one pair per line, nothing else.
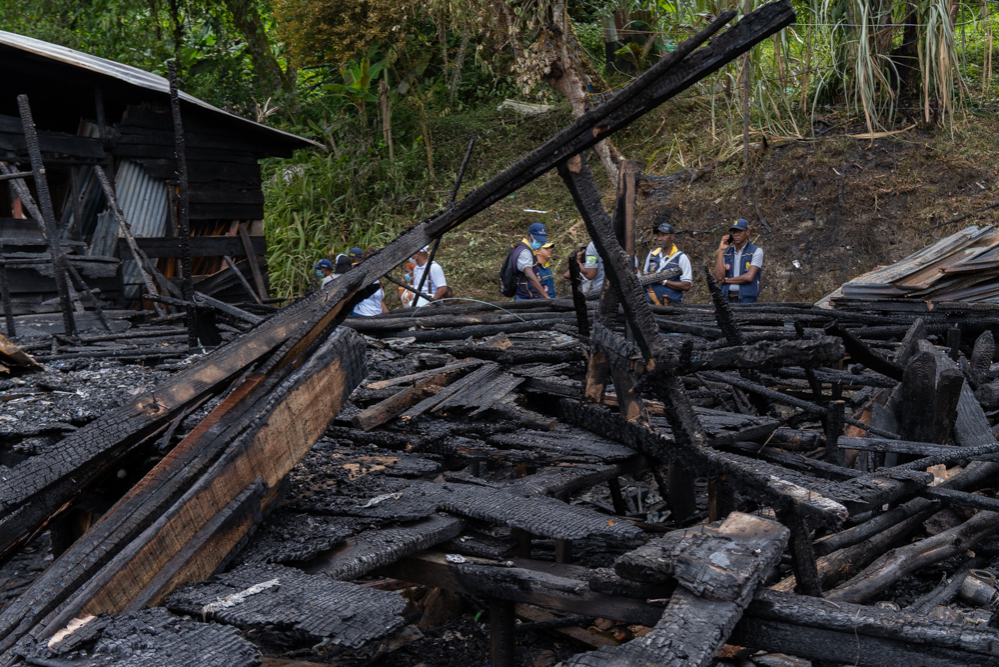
320, 204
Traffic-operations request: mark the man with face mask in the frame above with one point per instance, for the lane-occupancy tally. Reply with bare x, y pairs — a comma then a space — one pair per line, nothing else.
528, 281
324, 269
545, 274
667, 256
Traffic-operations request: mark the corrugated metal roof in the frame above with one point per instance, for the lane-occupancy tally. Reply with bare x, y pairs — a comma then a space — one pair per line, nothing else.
131, 75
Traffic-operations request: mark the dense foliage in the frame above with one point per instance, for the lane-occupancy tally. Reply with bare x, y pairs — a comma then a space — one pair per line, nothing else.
394, 88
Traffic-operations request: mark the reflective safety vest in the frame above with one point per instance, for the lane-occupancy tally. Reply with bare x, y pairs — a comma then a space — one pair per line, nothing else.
660, 263
525, 290
746, 259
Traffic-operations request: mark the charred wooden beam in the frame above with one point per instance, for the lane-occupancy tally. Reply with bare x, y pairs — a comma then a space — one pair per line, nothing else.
319, 607
902, 561
860, 352
183, 200
811, 352
552, 586
718, 570
845, 633
48, 214
45, 482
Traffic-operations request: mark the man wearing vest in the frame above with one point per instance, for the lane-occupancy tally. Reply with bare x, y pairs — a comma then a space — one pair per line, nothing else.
667, 256
739, 264
528, 282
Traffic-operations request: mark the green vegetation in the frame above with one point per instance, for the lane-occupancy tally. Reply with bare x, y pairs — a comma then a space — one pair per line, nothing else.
395, 89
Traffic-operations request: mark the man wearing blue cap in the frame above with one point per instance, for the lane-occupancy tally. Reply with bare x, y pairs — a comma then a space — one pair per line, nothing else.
667, 256
739, 264
528, 281
324, 269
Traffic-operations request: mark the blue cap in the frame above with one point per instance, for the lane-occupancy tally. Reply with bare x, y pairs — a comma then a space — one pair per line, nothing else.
538, 231
323, 264
355, 253
740, 224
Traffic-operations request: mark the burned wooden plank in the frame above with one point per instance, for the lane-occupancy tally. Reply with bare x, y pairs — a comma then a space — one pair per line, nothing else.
396, 404
860, 352
37, 487
717, 578
377, 548
846, 633
449, 370
287, 599
548, 585
766, 354
148, 637
899, 562
472, 382
564, 443
288, 536
147, 529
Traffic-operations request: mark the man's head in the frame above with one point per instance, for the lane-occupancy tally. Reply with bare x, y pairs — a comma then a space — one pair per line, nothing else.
355, 255
663, 231
342, 264
665, 235
422, 255
739, 231
545, 253
324, 266
537, 235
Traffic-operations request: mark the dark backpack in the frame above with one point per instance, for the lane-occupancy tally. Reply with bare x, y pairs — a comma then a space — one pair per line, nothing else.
509, 276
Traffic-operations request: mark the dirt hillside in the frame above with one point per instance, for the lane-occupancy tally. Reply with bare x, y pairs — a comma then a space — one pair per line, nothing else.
837, 205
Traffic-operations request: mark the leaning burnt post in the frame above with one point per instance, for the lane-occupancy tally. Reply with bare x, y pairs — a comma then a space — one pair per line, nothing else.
183, 213
8, 309
48, 214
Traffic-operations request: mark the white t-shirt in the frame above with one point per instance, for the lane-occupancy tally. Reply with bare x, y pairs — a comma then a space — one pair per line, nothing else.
525, 258
435, 281
686, 271
327, 280
593, 261
757, 261
372, 305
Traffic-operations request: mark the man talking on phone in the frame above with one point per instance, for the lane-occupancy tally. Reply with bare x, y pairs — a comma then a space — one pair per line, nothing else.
739, 264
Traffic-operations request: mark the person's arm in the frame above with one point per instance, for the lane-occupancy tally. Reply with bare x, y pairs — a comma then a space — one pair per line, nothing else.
745, 278
440, 293
535, 283
686, 276
720, 259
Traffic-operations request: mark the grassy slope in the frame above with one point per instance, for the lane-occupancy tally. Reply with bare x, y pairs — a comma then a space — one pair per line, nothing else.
839, 206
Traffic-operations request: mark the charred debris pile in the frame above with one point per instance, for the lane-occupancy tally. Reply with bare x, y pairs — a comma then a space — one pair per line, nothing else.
654, 485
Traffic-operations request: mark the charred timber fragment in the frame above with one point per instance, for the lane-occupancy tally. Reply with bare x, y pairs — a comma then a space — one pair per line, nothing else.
904, 560
377, 548
296, 413
622, 279
183, 200
257, 596
48, 214
148, 637
548, 585
860, 352
717, 575
845, 633
765, 355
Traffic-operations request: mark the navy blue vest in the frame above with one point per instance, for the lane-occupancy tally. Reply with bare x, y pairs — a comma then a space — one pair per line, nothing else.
659, 263
525, 290
747, 289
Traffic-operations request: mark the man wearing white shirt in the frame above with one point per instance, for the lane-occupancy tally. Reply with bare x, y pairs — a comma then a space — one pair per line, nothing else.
667, 256
435, 286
